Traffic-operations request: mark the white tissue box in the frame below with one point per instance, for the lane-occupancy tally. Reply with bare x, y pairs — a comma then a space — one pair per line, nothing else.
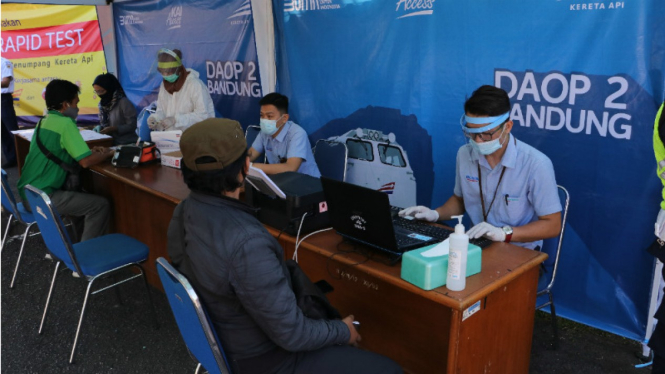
172, 159
166, 141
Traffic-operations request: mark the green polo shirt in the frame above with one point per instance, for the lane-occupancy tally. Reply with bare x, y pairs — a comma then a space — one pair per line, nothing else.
59, 135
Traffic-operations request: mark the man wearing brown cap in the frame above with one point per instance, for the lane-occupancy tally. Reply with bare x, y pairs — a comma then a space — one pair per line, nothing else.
239, 271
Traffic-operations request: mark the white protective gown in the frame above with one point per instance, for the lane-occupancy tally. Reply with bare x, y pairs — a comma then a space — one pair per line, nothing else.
190, 105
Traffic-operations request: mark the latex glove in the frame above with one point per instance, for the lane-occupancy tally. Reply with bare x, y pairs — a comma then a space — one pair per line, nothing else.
167, 123
485, 229
420, 212
660, 225
152, 122
97, 128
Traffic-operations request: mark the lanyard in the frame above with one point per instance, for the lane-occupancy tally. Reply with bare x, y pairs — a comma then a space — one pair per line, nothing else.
482, 200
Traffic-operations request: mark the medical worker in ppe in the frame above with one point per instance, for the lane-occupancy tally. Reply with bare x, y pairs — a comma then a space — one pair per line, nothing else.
506, 186
183, 98
285, 143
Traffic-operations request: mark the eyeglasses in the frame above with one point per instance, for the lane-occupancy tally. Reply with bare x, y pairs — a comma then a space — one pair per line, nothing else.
484, 136
100, 92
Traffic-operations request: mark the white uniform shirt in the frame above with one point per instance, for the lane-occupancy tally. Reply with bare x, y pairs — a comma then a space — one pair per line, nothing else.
8, 71
190, 105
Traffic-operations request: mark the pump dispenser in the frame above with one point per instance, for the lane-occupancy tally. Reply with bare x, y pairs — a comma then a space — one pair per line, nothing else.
459, 246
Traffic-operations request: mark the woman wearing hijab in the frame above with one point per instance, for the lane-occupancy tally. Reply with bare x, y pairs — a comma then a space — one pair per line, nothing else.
183, 98
117, 115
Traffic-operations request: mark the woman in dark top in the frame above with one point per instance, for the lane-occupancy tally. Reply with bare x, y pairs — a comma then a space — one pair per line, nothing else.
117, 115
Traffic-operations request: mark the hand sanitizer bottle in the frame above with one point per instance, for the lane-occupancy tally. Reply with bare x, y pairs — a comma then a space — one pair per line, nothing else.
459, 246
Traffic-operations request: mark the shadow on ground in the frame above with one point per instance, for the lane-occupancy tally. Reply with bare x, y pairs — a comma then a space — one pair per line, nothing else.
118, 335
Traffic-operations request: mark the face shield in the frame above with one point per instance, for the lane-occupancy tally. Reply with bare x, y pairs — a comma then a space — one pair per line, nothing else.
168, 64
491, 122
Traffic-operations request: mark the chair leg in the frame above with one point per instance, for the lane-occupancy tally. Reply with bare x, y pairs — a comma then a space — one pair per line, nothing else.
20, 253
147, 290
198, 367
555, 331
78, 329
9, 223
48, 298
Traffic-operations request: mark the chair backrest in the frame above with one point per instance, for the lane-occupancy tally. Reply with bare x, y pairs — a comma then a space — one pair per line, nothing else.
142, 129
331, 158
251, 133
53, 230
553, 246
192, 319
8, 200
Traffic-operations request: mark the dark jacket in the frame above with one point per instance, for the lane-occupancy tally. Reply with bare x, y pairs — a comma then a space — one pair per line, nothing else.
238, 270
123, 116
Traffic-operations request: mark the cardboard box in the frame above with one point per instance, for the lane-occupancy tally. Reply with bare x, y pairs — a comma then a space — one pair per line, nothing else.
172, 159
166, 141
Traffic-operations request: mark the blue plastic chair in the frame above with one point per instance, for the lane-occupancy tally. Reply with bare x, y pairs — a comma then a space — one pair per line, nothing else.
18, 213
553, 248
90, 260
331, 158
192, 319
142, 129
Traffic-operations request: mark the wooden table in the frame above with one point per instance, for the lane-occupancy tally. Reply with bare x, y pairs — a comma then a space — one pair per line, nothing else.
23, 147
424, 331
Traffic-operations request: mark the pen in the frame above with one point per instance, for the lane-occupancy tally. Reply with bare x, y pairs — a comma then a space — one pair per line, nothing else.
506, 199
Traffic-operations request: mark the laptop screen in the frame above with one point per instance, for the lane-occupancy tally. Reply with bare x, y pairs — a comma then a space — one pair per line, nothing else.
360, 213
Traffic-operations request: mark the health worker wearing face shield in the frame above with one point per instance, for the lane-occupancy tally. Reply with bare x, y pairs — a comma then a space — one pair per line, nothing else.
506, 186
285, 143
183, 99
60, 138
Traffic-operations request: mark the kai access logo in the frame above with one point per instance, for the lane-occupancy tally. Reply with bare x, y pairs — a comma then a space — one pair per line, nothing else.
388, 188
410, 8
242, 14
174, 20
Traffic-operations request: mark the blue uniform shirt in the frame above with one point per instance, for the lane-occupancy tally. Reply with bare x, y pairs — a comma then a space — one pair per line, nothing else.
292, 141
528, 188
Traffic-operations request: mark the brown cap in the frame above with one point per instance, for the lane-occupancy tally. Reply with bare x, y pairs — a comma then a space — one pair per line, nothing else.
219, 138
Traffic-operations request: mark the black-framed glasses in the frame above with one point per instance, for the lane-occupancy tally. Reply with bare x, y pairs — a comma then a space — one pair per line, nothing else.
484, 136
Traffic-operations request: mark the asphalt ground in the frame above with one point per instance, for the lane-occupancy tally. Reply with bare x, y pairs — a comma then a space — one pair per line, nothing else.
118, 334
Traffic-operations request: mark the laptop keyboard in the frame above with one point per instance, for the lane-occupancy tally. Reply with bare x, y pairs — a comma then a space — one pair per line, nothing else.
436, 232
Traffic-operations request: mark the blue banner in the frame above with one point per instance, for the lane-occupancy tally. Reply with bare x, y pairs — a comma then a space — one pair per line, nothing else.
585, 80
216, 38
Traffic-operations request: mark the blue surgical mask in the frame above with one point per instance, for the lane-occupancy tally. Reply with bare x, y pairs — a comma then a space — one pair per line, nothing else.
487, 148
268, 126
171, 78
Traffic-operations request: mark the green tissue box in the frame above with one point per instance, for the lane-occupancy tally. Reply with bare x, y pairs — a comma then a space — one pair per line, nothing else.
430, 272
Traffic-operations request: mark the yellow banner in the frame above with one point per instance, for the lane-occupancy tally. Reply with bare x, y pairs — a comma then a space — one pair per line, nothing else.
47, 42
32, 75
30, 16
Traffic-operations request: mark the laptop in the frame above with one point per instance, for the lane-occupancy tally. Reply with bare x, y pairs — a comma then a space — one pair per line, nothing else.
364, 215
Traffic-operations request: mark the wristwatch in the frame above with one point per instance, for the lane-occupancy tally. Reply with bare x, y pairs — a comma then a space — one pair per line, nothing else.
509, 233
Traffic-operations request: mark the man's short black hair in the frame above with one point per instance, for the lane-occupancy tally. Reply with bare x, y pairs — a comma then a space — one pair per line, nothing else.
280, 102
214, 181
58, 91
488, 101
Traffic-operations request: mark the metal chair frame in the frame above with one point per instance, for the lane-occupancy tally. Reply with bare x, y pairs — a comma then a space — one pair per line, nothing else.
90, 279
335, 144
548, 290
211, 337
14, 215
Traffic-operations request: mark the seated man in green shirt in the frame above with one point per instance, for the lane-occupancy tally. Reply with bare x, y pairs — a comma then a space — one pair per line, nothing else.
60, 136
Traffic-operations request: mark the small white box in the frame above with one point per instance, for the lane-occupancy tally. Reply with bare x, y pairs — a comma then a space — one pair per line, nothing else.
166, 141
172, 159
